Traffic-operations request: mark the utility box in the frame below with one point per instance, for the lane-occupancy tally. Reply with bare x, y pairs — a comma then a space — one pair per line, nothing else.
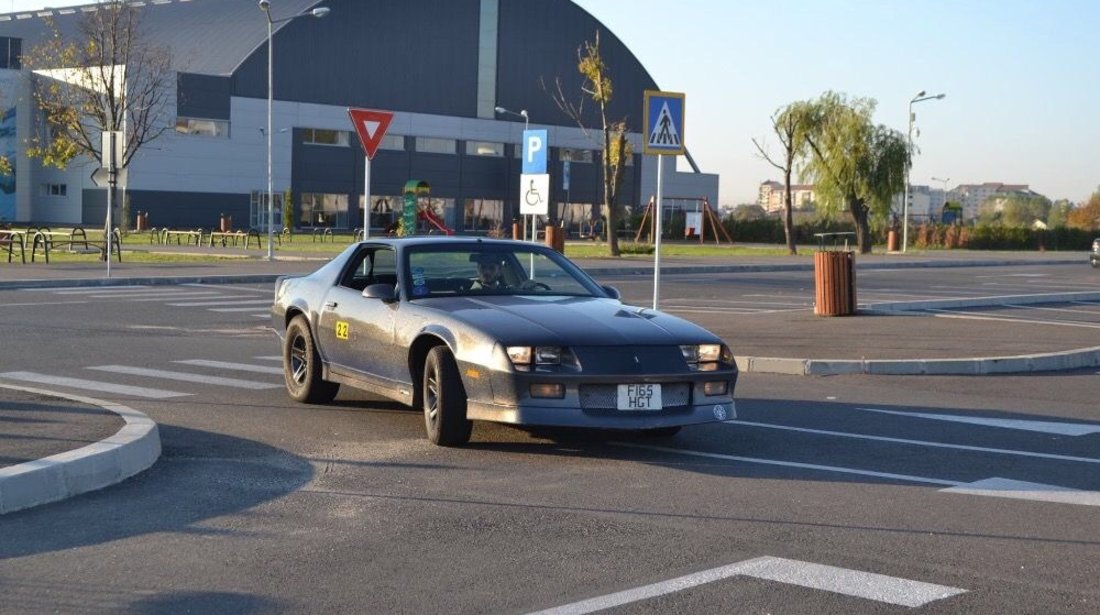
834, 277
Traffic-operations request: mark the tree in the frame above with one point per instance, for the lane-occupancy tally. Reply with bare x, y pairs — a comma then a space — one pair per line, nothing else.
790, 125
108, 77
1014, 210
1059, 211
854, 164
1087, 215
616, 149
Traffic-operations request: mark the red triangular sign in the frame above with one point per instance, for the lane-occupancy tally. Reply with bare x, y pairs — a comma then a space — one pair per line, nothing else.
371, 126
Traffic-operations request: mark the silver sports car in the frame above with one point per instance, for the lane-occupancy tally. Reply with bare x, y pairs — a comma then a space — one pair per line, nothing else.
480, 329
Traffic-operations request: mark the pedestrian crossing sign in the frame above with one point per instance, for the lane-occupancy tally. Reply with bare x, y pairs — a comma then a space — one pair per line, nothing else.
664, 123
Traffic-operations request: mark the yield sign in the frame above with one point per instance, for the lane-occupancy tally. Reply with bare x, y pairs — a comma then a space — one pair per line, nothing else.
371, 126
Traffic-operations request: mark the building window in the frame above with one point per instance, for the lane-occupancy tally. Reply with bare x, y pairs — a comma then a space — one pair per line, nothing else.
53, 190
384, 212
484, 148
392, 142
324, 136
483, 215
324, 210
432, 145
575, 155
202, 127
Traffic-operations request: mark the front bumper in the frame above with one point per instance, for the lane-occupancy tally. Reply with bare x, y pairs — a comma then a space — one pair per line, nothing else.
685, 401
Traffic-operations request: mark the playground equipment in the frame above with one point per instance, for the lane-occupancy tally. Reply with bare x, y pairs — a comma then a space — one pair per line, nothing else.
697, 215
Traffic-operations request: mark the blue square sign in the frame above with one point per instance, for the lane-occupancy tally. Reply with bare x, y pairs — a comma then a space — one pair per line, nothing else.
534, 151
664, 123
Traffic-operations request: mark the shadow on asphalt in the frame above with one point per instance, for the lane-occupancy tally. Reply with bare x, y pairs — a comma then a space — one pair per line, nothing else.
200, 475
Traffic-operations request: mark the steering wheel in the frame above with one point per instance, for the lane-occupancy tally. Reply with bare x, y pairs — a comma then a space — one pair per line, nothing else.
533, 285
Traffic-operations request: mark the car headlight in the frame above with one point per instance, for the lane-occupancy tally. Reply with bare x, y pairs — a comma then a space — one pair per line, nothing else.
540, 355
705, 353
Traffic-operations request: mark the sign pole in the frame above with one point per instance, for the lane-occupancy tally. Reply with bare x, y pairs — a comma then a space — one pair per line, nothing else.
657, 233
366, 198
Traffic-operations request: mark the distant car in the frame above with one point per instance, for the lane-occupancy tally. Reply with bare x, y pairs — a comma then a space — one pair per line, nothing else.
1094, 256
507, 331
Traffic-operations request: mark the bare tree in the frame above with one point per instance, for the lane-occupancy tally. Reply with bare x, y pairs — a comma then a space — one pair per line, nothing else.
790, 125
107, 77
616, 149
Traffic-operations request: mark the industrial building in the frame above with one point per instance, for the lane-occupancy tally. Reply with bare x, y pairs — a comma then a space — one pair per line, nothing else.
442, 66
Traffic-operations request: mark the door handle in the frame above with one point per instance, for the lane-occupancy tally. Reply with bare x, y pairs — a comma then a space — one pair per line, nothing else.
329, 305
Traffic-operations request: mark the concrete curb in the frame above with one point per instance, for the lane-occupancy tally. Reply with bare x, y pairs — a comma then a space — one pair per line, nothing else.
952, 304
257, 278
979, 366
132, 449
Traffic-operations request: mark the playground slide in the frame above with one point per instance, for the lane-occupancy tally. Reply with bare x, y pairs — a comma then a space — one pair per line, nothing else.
434, 220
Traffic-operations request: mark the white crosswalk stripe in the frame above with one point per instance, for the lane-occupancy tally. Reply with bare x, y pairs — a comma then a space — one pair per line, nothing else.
241, 367
224, 302
213, 298
235, 309
185, 377
92, 385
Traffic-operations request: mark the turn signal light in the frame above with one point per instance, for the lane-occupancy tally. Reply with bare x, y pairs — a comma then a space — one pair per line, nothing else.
548, 391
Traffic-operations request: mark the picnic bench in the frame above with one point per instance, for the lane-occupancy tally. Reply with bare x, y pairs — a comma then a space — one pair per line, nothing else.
233, 237
167, 235
49, 240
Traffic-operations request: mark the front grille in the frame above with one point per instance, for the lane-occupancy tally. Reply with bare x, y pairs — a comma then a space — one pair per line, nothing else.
606, 396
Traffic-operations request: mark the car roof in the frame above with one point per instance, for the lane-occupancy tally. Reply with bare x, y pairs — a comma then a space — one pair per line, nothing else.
420, 240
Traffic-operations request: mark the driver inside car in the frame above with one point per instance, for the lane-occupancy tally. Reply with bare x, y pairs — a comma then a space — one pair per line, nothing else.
490, 272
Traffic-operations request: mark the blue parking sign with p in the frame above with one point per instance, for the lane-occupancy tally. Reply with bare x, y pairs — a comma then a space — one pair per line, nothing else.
534, 151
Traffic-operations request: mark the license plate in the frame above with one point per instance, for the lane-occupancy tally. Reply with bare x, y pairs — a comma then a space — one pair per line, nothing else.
639, 397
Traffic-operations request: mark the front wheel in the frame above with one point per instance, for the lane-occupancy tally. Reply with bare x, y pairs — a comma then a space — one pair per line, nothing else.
444, 400
302, 366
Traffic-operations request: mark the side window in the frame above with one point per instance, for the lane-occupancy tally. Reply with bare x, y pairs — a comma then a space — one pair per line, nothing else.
371, 266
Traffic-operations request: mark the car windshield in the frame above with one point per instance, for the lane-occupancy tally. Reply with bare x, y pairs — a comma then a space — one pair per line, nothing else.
487, 269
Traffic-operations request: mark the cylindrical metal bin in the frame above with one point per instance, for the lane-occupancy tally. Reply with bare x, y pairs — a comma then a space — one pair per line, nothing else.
834, 283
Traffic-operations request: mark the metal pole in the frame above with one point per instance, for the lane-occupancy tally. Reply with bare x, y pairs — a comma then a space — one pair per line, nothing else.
905, 195
270, 189
110, 204
657, 233
366, 196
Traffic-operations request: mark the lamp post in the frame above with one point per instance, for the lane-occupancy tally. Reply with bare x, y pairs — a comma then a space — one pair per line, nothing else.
526, 125
265, 6
920, 97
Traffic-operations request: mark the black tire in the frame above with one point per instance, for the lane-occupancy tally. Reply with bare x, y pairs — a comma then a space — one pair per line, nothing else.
302, 366
444, 400
661, 432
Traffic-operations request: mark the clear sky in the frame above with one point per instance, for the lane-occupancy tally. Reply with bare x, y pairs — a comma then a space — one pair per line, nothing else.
1022, 79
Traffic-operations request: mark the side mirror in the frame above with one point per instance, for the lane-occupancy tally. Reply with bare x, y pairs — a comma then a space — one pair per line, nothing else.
386, 292
612, 292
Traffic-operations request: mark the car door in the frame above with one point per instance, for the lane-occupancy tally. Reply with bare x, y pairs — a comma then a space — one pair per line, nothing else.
357, 333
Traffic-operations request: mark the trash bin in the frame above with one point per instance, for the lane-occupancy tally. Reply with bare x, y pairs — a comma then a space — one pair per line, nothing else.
834, 277
555, 238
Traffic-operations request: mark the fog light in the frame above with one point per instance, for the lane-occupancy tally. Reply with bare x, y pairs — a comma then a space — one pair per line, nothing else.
548, 391
719, 387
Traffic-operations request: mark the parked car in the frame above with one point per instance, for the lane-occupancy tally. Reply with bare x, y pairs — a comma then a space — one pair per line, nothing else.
471, 329
1094, 256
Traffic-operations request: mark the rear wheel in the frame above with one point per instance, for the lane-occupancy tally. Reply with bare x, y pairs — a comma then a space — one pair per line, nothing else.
302, 366
444, 400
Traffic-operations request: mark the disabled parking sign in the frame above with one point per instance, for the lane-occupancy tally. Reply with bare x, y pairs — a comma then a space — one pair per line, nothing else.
664, 123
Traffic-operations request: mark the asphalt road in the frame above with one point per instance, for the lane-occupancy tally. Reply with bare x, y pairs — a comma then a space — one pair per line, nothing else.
843, 494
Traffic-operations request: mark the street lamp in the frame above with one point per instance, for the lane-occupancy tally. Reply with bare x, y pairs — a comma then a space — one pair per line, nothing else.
920, 97
265, 6
522, 113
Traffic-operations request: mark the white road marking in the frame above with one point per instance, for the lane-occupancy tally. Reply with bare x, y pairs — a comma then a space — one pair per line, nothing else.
796, 464
44, 303
870, 586
272, 357
960, 447
240, 289
92, 385
1020, 490
161, 295
241, 367
84, 290
182, 295
996, 487
224, 301
971, 316
237, 309
185, 377
1049, 309
1051, 427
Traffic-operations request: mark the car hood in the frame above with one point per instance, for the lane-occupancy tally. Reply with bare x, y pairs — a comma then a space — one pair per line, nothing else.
575, 321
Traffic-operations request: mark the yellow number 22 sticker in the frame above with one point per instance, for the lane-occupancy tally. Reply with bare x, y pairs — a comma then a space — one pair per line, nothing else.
341, 330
